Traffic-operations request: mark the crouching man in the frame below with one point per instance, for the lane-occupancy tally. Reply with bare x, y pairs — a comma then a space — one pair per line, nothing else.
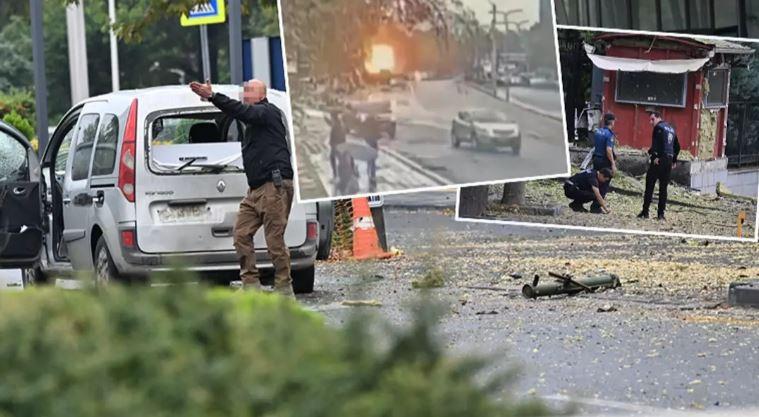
585, 187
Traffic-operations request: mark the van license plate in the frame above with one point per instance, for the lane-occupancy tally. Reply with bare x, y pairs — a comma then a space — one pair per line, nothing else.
184, 214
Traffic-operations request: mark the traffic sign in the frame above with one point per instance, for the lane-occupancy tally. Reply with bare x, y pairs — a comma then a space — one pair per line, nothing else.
205, 14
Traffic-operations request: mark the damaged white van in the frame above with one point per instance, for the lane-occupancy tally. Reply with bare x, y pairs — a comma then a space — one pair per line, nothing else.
144, 180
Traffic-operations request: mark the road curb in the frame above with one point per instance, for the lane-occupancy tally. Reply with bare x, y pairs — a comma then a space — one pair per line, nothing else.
416, 167
518, 103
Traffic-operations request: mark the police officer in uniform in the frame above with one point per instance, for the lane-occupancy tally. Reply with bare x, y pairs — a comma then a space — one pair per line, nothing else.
266, 159
603, 154
665, 147
585, 187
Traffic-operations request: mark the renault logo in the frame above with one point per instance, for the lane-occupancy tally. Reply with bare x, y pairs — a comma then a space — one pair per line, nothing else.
221, 186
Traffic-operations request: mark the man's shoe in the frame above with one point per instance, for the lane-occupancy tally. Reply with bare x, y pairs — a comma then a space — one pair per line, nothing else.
661, 218
577, 207
643, 214
286, 292
596, 210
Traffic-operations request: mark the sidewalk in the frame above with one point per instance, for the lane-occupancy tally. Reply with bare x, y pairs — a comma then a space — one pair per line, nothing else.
394, 171
500, 94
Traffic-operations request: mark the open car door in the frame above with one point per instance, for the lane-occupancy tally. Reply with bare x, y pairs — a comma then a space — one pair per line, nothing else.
20, 201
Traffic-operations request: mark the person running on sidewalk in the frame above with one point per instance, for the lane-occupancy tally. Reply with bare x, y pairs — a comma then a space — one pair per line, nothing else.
584, 187
336, 137
603, 154
665, 148
266, 159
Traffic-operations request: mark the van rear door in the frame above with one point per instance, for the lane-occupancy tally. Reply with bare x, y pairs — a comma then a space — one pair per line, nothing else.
20, 201
190, 189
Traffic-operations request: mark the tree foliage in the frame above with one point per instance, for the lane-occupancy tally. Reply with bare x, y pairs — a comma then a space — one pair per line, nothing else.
159, 50
185, 351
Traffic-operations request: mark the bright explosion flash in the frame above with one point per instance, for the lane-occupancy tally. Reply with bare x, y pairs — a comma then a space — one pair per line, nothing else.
382, 59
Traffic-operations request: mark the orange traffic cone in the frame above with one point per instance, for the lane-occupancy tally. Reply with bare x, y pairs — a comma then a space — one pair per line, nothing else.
365, 240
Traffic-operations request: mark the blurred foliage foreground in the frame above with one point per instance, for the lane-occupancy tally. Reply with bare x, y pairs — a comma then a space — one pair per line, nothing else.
191, 351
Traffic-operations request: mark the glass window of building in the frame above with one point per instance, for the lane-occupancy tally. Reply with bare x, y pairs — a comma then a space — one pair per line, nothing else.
700, 16
644, 15
716, 87
673, 15
726, 18
651, 88
752, 18
615, 13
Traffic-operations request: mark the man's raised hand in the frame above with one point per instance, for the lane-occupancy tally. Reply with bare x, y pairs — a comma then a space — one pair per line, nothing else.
203, 90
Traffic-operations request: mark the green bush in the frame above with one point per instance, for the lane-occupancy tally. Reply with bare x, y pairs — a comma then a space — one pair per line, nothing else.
19, 122
20, 101
185, 351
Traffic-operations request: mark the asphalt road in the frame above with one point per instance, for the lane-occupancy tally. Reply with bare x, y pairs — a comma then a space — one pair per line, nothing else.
665, 348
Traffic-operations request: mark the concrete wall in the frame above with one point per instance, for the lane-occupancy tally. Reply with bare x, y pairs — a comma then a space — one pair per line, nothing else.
704, 175
744, 181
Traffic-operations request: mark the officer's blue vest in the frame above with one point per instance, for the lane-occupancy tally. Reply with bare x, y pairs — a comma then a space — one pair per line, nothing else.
601, 139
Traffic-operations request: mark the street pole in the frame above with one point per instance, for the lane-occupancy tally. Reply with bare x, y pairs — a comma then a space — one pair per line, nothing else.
77, 43
40, 81
235, 42
114, 47
204, 52
508, 72
494, 50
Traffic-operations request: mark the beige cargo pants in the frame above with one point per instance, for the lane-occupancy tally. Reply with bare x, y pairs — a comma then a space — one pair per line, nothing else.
266, 206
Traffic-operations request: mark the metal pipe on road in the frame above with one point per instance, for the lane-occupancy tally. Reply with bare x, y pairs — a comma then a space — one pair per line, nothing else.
565, 284
40, 81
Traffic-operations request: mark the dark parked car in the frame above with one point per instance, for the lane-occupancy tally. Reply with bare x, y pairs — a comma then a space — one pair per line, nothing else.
360, 112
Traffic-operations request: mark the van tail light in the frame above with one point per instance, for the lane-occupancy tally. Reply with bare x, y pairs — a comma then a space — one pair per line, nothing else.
128, 153
127, 239
312, 230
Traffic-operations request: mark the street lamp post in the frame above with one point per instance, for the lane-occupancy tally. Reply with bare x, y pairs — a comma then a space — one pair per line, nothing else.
235, 42
494, 31
114, 47
40, 82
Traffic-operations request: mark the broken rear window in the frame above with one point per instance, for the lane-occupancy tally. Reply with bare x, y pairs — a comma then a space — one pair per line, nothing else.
192, 143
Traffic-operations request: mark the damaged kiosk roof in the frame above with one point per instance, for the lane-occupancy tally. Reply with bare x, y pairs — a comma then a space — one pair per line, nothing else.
664, 66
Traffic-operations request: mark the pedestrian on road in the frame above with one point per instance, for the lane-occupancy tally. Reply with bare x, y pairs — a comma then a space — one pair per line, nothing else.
665, 148
584, 187
603, 154
336, 137
372, 133
266, 159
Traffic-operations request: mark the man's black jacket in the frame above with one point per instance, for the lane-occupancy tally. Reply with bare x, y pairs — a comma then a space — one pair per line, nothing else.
664, 142
264, 146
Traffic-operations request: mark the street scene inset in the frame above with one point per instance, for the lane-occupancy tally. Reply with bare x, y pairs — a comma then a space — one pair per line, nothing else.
391, 98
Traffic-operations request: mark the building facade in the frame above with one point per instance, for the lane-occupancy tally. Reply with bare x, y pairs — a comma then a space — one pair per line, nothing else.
737, 18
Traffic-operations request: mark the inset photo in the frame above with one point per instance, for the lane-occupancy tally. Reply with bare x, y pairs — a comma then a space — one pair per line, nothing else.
422, 94
663, 140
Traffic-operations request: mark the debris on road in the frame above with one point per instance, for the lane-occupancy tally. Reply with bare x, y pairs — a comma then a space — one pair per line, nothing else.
362, 303
566, 284
744, 294
606, 308
434, 278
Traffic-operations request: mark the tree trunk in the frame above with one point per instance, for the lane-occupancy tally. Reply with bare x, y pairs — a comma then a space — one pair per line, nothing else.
513, 194
473, 201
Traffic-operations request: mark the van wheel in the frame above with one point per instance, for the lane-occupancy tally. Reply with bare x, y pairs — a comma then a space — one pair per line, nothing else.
33, 276
303, 280
105, 271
